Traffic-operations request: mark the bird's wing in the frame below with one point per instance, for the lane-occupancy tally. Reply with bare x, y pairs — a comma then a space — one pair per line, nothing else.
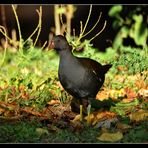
91, 64
95, 66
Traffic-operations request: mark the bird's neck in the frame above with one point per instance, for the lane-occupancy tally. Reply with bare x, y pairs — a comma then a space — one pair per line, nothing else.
67, 59
65, 55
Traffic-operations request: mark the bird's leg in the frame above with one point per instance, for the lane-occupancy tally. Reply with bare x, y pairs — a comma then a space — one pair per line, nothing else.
76, 106
81, 112
88, 112
81, 109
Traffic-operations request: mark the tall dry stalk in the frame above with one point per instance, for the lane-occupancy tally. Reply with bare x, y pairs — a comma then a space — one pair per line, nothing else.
57, 20
3, 16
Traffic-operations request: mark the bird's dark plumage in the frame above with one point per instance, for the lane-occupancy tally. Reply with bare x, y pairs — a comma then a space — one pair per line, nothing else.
80, 77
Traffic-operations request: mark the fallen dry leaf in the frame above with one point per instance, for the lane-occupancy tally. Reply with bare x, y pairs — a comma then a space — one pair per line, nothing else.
127, 100
102, 95
122, 68
139, 115
115, 94
105, 114
130, 93
141, 84
2, 111
53, 93
143, 92
106, 123
76, 126
77, 118
111, 137
21, 88
123, 127
100, 116
53, 102
32, 111
69, 115
41, 131
59, 85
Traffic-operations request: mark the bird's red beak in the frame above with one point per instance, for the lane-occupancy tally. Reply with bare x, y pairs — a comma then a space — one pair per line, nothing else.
51, 45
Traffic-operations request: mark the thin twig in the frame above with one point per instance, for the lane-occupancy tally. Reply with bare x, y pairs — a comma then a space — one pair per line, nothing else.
56, 18
40, 24
81, 27
19, 29
5, 47
93, 26
99, 31
35, 28
74, 33
44, 45
2, 27
82, 31
69, 15
86, 21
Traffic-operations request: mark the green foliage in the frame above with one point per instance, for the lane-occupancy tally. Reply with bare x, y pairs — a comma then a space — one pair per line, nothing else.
115, 10
137, 135
133, 60
34, 70
122, 108
24, 132
131, 25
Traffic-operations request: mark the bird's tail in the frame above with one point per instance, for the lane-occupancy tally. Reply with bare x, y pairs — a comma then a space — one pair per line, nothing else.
106, 67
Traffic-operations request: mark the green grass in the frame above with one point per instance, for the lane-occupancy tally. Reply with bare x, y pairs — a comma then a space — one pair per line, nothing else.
25, 132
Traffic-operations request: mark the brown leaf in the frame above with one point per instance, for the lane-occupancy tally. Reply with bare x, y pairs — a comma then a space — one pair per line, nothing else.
2, 111
53, 102
13, 91
106, 114
100, 116
123, 127
143, 92
21, 88
4, 119
8, 113
111, 137
54, 93
141, 84
77, 118
69, 115
25, 95
139, 115
122, 68
9, 106
102, 95
130, 93
76, 126
32, 111
115, 94
59, 85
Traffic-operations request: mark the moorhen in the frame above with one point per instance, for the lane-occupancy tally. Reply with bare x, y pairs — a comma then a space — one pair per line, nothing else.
80, 77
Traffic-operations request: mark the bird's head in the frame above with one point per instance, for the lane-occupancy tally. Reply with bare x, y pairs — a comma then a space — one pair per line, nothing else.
59, 43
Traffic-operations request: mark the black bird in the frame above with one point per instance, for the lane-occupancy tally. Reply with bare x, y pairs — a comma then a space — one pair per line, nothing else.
80, 77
